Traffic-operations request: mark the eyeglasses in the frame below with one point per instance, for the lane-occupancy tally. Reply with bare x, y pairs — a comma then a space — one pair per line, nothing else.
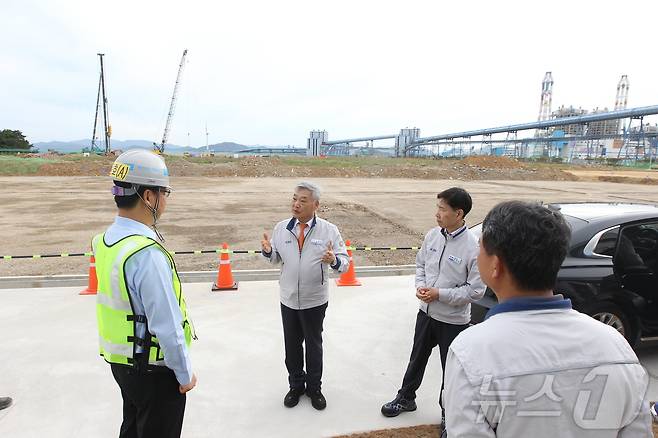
166, 192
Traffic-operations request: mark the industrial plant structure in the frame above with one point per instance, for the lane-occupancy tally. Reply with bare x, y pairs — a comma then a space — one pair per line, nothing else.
566, 133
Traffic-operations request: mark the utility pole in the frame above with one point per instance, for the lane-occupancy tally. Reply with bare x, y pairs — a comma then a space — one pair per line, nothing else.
108, 128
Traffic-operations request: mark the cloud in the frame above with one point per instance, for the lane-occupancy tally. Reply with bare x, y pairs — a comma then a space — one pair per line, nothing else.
263, 72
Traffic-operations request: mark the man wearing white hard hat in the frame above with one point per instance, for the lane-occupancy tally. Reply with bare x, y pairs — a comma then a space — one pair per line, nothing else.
144, 329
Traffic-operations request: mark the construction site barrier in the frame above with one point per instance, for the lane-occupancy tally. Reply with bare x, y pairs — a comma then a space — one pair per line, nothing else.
209, 251
239, 275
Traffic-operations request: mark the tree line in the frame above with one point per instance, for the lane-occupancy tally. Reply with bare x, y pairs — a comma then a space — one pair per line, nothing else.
13, 140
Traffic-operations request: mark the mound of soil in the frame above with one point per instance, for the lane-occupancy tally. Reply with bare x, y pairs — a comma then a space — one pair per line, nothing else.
470, 168
492, 162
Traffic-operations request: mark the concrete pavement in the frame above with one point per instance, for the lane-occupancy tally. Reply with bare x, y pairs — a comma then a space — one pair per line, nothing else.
61, 387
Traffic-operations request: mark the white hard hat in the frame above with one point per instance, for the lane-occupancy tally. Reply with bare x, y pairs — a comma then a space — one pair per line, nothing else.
140, 167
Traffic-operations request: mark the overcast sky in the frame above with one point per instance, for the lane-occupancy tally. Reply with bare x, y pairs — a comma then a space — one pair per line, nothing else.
268, 72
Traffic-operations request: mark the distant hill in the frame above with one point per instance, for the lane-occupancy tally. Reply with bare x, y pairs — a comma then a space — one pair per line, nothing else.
227, 147
77, 146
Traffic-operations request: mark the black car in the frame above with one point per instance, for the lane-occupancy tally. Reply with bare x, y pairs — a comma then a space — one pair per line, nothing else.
610, 271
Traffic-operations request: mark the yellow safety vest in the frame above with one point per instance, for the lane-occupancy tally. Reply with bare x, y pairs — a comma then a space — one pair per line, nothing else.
114, 311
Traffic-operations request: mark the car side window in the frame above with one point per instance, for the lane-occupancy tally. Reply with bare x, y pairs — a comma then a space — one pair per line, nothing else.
607, 243
638, 248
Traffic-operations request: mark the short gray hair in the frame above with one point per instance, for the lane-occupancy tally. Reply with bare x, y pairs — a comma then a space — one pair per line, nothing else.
314, 189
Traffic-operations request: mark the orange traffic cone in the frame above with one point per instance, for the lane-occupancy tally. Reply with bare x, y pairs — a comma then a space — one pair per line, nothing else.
224, 274
349, 277
92, 287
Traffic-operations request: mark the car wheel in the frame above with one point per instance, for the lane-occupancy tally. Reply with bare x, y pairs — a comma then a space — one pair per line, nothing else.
610, 314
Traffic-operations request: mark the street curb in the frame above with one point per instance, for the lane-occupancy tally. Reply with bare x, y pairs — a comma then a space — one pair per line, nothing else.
47, 281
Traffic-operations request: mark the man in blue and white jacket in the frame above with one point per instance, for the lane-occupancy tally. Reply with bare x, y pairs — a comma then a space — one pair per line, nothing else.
305, 246
447, 282
536, 367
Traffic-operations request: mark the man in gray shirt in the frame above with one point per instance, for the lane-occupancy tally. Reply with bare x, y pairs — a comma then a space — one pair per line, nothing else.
305, 246
447, 282
535, 367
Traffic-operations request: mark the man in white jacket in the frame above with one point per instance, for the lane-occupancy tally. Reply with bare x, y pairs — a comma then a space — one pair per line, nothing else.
535, 367
305, 246
447, 282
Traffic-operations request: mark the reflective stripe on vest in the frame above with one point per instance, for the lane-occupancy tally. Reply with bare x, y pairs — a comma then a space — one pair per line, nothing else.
114, 311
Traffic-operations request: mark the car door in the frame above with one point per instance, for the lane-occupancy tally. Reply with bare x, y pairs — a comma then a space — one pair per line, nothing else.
636, 265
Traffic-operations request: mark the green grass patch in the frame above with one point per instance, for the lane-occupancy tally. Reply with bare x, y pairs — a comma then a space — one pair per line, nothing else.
77, 157
201, 160
13, 165
343, 162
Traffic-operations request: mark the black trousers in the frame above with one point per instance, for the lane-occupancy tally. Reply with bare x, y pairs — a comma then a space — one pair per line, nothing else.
153, 407
303, 326
429, 332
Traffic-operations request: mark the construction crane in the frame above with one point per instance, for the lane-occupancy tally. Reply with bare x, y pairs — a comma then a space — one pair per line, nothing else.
94, 147
106, 122
161, 147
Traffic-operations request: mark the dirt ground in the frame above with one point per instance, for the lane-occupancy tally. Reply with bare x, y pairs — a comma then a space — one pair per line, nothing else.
424, 431
48, 214
628, 176
375, 201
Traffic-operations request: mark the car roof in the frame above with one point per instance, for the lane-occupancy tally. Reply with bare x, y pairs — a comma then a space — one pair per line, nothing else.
591, 211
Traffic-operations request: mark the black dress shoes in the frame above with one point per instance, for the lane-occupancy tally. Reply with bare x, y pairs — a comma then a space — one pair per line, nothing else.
5, 402
292, 398
317, 399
